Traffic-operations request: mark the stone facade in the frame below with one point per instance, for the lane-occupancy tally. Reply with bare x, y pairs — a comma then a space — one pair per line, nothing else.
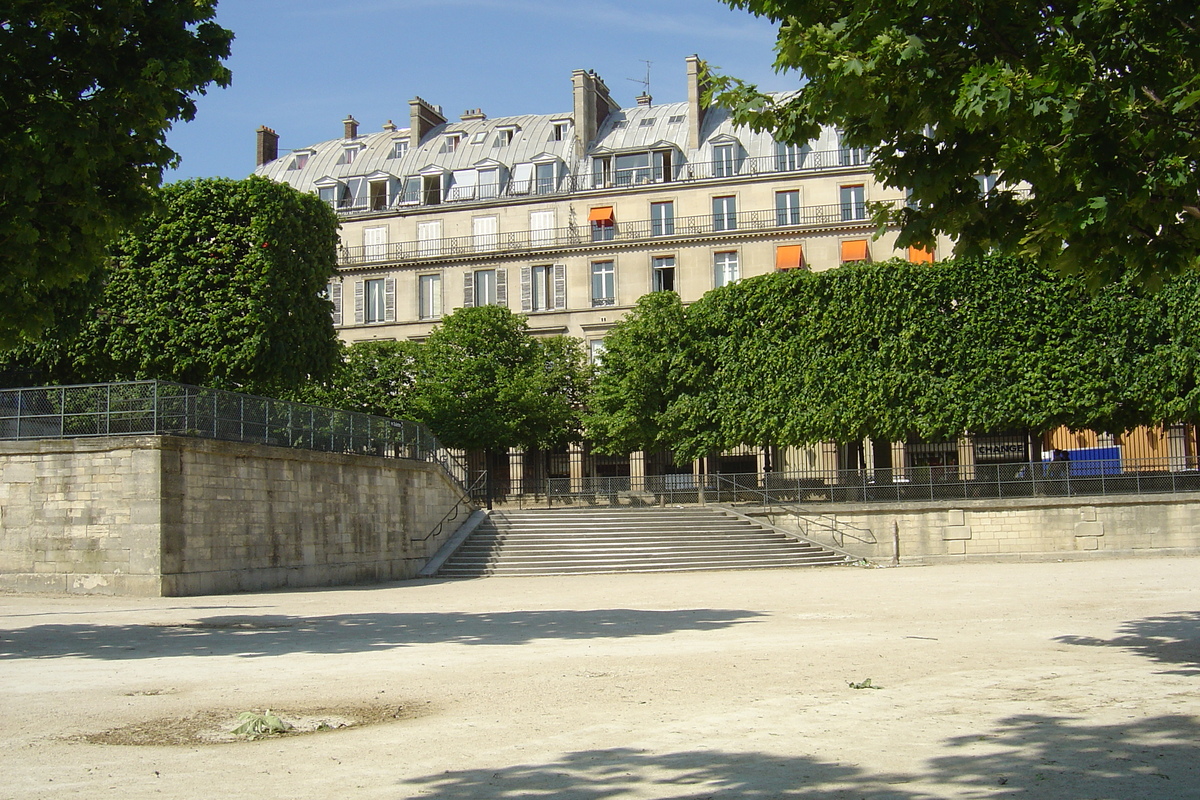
177, 516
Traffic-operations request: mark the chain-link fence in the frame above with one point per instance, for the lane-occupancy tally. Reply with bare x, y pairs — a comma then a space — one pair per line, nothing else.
163, 408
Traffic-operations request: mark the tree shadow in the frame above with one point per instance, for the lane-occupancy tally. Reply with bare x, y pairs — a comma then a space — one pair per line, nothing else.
1042, 757
268, 635
1169, 639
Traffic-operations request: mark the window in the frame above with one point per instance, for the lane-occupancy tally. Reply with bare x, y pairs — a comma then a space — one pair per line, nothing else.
544, 180
399, 148
789, 256
483, 288
299, 161
675, 119
483, 232
488, 183
604, 228
348, 155
646, 123
787, 207
601, 172
620, 125
663, 268
375, 243
987, 184
604, 284
328, 194
595, 350
854, 206
558, 131
851, 156
430, 296
379, 194
724, 213
333, 292
429, 237
725, 268
431, 189
662, 219
632, 168
541, 288
504, 137
412, 190
723, 164
375, 308
479, 137
790, 156
855, 250
451, 142
541, 227
662, 165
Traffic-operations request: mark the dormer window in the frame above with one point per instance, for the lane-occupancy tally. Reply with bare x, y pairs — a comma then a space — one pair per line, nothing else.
646, 123
299, 161
559, 130
348, 155
504, 137
399, 148
451, 142
675, 119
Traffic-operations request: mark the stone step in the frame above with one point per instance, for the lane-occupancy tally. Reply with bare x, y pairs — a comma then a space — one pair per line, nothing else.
570, 541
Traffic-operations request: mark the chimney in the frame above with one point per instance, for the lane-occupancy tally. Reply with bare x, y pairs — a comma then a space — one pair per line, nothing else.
697, 86
473, 115
351, 126
389, 126
592, 106
266, 145
422, 119
644, 99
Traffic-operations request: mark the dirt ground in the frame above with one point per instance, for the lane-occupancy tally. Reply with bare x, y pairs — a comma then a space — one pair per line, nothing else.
1055, 681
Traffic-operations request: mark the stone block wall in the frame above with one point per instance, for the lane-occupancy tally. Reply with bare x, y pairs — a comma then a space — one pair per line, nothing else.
1037, 528
179, 516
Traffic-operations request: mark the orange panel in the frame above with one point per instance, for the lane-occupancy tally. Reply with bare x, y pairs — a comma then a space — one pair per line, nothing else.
789, 256
919, 256
601, 214
854, 250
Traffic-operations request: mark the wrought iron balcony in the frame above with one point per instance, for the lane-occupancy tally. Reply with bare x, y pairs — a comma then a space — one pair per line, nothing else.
581, 235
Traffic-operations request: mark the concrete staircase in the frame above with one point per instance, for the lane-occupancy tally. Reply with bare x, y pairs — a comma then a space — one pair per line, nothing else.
569, 541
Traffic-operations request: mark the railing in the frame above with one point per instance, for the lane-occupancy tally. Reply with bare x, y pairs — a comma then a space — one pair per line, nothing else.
794, 490
581, 235
798, 161
163, 408
470, 496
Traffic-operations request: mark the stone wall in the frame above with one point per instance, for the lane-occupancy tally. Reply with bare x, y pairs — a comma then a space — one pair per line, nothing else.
179, 516
1035, 528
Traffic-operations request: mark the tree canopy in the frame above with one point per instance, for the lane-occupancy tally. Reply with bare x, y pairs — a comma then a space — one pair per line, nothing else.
222, 286
88, 91
896, 351
1093, 105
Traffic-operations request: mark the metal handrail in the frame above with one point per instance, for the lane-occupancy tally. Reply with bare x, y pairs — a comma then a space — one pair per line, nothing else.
795, 162
467, 498
620, 232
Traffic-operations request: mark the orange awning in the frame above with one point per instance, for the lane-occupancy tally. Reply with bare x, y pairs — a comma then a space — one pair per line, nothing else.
854, 250
918, 255
601, 214
789, 256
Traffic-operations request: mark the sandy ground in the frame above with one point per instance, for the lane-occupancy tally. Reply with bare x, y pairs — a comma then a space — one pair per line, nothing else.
1055, 680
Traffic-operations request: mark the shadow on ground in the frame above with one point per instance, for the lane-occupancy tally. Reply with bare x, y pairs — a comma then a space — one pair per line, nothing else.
1172, 639
1043, 757
267, 635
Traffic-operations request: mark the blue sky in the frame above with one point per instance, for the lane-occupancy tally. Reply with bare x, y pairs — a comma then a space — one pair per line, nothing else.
300, 66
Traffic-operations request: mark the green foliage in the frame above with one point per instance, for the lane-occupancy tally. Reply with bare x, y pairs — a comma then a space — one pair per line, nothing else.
1094, 104
223, 287
88, 91
895, 351
484, 383
372, 377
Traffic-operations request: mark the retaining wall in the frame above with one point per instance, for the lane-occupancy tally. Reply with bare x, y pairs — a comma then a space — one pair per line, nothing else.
163, 515
1033, 528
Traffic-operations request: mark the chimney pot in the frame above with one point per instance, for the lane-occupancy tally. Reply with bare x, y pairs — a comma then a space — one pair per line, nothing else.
644, 99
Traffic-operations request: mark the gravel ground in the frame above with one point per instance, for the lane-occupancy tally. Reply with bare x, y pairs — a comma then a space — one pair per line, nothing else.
1071, 681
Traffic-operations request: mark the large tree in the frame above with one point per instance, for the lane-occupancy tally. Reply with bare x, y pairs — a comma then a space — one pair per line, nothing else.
223, 286
1094, 105
88, 91
484, 383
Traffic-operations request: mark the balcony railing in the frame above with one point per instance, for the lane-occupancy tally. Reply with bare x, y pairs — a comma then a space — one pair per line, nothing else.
581, 235
801, 161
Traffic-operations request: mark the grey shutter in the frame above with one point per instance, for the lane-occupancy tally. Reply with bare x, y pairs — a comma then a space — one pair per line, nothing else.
502, 287
335, 297
389, 299
360, 303
468, 289
526, 289
560, 286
